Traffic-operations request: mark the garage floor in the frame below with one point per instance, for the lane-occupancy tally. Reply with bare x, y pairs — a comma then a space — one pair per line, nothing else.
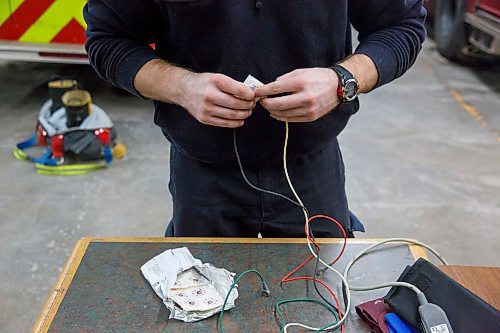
422, 159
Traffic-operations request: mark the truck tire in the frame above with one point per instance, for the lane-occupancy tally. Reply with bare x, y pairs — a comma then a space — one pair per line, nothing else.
450, 29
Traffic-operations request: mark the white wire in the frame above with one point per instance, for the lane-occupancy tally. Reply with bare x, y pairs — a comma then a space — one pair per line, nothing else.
344, 277
344, 281
391, 284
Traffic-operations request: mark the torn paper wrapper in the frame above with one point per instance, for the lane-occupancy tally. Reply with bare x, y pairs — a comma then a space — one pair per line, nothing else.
191, 290
252, 82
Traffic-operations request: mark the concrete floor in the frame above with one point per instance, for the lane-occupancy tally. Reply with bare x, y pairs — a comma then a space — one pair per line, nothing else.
422, 159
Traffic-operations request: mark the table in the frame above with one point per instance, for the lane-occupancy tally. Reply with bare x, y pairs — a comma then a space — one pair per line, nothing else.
101, 288
482, 281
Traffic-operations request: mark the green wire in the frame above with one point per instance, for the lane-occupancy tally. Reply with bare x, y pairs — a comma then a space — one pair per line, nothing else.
311, 300
265, 291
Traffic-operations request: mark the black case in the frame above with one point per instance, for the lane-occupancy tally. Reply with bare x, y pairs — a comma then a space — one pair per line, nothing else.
467, 312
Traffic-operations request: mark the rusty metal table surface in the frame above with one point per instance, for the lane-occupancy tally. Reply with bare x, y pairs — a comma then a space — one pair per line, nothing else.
101, 288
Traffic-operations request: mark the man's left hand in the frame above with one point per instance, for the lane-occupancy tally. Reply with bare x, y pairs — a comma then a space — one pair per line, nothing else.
311, 94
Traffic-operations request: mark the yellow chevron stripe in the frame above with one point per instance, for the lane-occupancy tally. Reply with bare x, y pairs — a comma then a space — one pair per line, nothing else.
55, 18
7, 7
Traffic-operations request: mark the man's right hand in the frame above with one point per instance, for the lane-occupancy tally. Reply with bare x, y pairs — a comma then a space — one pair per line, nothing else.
212, 99
216, 99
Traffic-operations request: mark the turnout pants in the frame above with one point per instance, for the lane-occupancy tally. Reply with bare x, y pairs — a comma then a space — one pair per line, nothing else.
213, 200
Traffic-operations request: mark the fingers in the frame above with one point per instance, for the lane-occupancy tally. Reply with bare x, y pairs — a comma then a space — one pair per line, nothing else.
220, 112
291, 113
288, 85
230, 101
300, 114
306, 113
218, 116
295, 107
289, 82
291, 74
312, 94
233, 87
220, 122
222, 101
286, 102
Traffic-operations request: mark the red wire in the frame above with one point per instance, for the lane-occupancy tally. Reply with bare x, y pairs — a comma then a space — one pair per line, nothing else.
287, 278
344, 235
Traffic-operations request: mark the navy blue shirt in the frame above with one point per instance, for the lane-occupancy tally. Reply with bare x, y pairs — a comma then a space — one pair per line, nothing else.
264, 38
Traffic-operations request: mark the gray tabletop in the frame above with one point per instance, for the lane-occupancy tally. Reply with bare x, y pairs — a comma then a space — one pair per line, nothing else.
102, 289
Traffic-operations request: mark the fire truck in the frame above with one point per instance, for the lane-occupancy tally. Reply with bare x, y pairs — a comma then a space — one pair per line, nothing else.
464, 28
42, 31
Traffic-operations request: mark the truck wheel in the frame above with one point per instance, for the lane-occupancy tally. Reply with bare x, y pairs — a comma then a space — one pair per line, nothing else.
449, 28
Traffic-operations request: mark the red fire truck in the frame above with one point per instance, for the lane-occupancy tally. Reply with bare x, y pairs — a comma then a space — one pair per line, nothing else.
464, 27
42, 30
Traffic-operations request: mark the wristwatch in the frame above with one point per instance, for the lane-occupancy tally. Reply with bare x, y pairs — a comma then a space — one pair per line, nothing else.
347, 89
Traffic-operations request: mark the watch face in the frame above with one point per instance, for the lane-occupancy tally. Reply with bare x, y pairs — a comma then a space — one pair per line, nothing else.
350, 89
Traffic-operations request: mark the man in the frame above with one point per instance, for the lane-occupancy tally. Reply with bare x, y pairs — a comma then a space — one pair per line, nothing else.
204, 49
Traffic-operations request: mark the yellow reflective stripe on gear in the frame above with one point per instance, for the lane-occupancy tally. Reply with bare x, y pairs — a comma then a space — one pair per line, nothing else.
55, 18
60, 170
63, 173
71, 167
68, 170
7, 7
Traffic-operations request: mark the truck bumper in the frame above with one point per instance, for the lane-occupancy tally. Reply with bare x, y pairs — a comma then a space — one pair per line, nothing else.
485, 33
38, 52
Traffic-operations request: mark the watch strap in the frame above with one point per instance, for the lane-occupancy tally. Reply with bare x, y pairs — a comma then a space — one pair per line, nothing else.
344, 76
343, 73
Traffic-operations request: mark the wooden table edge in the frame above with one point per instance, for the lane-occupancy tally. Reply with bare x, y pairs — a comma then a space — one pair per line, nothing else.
62, 284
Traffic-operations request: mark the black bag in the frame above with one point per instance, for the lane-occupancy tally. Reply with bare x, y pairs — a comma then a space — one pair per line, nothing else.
467, 312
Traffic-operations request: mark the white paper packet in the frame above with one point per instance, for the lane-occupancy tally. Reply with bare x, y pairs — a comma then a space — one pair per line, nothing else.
252, 82
162, 272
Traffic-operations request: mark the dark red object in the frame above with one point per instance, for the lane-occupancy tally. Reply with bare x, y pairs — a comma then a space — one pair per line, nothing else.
57, 146
373, 313
490, 6
42, 136
62, 55
340, 91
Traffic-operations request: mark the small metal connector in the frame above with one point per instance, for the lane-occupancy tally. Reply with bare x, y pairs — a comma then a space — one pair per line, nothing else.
321, 271
265, 289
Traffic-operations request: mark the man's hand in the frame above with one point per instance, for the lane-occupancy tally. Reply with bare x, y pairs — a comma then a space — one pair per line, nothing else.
216, 99
312, 93
213, 99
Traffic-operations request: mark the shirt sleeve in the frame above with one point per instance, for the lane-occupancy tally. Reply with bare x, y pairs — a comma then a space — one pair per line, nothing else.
119, 34
391, 33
